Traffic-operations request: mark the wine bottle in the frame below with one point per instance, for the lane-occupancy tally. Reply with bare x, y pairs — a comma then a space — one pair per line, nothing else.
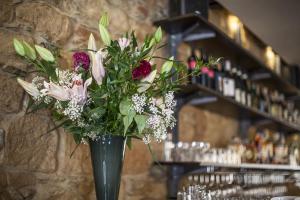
238, 84
261, 99
249, 93
191, 66
228, 81
244, 77
219, 74
203, 78
254, 98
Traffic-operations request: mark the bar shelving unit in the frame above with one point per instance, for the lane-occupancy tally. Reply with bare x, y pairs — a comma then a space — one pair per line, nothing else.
190, 28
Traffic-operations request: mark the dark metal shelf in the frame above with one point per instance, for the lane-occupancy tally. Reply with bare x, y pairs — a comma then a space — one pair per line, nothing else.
242, 166
193, 24
241, 110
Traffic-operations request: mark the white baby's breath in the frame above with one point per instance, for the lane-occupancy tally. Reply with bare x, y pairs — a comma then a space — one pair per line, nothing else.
139, 102
64, 77
73, 110
147, 139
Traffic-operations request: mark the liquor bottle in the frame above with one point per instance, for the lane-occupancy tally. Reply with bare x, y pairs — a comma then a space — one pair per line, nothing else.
219, 74
249, 92
238, 84
265, 94
254, 97
211, 78
228, 81
191, 66
203, 78
244, 77
294, 151
281, 106
281, 151
273, 106
261, 99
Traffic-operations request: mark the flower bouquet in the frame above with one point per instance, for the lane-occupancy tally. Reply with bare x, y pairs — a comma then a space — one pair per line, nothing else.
111, 95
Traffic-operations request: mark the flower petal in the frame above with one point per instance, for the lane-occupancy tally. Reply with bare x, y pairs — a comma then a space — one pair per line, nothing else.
98, 70
58, 92
29, 87
123, 42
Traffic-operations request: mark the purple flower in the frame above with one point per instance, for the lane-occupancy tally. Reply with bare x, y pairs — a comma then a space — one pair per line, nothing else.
81, 59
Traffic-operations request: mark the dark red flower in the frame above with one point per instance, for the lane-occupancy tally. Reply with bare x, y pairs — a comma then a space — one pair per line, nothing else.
81, 59
142, 70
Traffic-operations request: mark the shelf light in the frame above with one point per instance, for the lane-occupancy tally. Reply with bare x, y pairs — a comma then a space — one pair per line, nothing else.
270, 56
233, 23
235, 26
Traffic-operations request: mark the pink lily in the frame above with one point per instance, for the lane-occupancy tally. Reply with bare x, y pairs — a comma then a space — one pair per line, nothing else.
79, 89
98, 70
123, 43
56, 91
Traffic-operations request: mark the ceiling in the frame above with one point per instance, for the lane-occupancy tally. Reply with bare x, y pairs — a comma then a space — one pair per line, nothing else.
275, 22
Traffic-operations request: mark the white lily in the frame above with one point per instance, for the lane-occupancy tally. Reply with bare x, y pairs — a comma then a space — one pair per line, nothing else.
29, 88
56, 91
79, 90
98, 70
123, 43
147, 81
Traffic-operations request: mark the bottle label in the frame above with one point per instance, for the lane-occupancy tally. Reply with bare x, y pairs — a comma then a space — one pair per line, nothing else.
220, 83
237, 95
249, 100
243, 97
229, 88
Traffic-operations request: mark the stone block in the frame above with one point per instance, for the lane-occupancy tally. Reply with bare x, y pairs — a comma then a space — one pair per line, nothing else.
9, 60
46, 21
139, 159
11, 94
6, 11
28, 146
80, 162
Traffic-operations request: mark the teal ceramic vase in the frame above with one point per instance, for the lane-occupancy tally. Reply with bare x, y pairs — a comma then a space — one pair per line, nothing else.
107, 154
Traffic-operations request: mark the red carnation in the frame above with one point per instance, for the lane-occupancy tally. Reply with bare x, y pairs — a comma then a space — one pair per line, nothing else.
142, 70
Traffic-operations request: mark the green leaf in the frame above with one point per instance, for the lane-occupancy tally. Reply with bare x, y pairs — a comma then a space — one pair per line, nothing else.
129, 142
158, 35
141, 122
44, 53
19, 47
29, 51
77, 138
104, 20
125, 107
127, 120
104, 35
167, 66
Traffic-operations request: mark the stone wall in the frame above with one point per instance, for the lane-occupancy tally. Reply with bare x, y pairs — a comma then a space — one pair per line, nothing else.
35, 165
